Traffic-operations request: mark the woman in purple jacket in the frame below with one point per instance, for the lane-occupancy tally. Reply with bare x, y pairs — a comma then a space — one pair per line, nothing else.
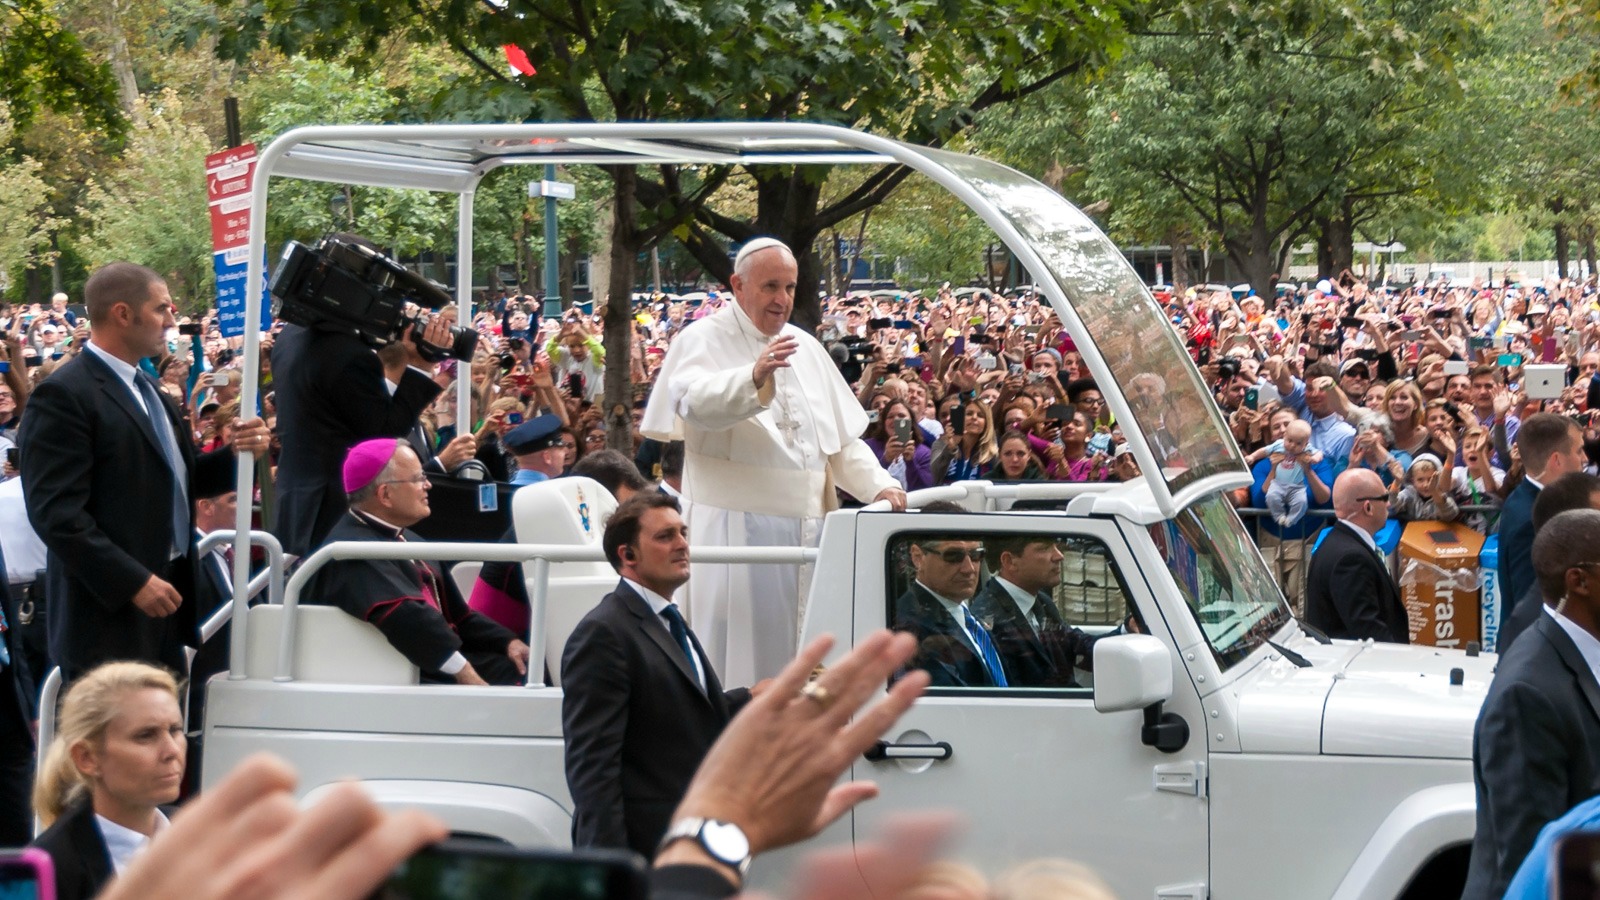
897, 442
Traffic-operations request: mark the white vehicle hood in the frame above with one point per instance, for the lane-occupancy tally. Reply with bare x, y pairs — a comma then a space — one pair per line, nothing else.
1363, 699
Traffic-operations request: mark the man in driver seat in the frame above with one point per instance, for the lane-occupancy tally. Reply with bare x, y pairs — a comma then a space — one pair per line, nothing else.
1035, 645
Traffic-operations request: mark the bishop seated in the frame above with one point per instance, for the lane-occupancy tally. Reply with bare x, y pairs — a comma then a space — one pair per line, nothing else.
412, 602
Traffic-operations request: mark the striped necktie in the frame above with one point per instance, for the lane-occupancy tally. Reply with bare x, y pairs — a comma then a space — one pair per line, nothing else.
980, 637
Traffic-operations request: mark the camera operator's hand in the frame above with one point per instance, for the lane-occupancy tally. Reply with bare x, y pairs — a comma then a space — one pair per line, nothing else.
458, 451
436, 334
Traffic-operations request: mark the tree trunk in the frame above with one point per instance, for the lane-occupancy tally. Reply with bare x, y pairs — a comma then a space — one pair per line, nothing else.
618, 338
1180, 266
1336, 241
1588, 248
1255, 257
122, 62
1563, 249
1324, 228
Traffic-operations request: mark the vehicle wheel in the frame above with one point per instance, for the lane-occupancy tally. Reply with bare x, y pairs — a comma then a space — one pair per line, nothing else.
1442, 878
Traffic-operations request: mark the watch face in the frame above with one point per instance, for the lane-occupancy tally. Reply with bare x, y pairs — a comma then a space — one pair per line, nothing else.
725, 841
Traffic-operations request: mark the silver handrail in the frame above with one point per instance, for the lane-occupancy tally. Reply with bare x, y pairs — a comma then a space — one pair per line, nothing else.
542, 555
271, 578
237, 640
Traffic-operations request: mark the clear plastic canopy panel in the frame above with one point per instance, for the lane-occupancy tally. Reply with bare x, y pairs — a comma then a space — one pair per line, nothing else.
1128, 330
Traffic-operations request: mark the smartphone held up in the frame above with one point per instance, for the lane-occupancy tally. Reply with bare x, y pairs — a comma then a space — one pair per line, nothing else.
470, 870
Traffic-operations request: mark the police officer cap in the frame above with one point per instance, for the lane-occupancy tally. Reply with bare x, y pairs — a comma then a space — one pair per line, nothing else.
534, 435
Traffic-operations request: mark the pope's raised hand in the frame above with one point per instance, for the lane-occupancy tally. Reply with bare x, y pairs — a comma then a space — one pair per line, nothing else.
774, 357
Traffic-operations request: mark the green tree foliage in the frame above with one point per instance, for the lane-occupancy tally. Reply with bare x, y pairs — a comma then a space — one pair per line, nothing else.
26, 227
151, 208
1258, 132
1539, 142
931, 232
43, 65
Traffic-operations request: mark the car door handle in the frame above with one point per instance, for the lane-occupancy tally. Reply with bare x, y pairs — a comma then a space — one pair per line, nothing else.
883, 750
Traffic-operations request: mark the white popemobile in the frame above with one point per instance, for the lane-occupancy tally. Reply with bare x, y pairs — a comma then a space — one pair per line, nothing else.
1225, 753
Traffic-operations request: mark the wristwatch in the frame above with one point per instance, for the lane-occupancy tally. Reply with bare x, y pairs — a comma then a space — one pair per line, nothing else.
725, 841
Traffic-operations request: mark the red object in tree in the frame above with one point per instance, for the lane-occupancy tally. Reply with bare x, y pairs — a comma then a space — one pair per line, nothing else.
518, 58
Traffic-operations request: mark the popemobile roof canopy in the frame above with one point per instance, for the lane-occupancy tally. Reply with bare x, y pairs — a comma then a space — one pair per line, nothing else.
1177, 434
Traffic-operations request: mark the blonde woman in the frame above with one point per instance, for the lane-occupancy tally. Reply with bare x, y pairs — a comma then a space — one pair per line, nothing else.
117, 757
969, 452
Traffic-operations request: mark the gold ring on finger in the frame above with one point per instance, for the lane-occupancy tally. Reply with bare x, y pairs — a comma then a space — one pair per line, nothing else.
818, 694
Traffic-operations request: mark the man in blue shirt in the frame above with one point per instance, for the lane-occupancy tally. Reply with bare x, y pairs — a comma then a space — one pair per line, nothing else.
1284, 547
1317, 401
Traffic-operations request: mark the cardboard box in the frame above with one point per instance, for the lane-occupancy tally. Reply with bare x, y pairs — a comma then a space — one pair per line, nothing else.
1440, 582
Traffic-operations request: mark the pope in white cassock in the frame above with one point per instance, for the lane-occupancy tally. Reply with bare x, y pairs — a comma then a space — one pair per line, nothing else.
769, 430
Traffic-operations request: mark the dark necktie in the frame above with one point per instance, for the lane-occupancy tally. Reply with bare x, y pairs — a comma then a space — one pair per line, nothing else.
680, 633
168, 440
980, 637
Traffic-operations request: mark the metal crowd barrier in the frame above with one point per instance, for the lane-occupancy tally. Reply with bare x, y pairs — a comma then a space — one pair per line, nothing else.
1291, 558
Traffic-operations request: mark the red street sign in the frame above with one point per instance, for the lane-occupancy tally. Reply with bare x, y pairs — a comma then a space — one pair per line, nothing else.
230, 174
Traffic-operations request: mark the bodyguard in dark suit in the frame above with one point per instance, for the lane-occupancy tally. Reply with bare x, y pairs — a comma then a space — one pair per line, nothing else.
641, 703
331, 395
1536, 747
1574, 490
1349, 591
1550, 447
953, 647
1515, 528
109, 474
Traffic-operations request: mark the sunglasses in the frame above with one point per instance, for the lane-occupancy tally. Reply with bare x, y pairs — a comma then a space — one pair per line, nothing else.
954, 557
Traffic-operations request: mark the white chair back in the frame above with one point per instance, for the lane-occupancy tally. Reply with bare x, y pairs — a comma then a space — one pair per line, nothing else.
571, 510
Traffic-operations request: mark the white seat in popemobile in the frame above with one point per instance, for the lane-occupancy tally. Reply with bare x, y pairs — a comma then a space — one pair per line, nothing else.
331, 647
571, 511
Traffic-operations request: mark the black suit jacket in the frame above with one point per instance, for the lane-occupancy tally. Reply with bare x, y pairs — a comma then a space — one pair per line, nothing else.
331, 395
1535, 751
1350, 593
1032, 658
943, 650
99, 492
1527, 611
637, 725
74, 842
1516, 546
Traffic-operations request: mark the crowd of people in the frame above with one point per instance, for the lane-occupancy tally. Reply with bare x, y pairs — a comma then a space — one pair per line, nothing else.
1364, 401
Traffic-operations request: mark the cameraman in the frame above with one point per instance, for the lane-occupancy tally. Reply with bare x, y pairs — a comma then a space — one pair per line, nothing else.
331, 395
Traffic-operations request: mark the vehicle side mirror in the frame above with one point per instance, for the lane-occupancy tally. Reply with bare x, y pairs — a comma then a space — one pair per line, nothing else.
1131, 671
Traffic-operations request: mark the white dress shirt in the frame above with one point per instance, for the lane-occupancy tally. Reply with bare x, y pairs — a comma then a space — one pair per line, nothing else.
658, 605
123, 844
1588, 644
